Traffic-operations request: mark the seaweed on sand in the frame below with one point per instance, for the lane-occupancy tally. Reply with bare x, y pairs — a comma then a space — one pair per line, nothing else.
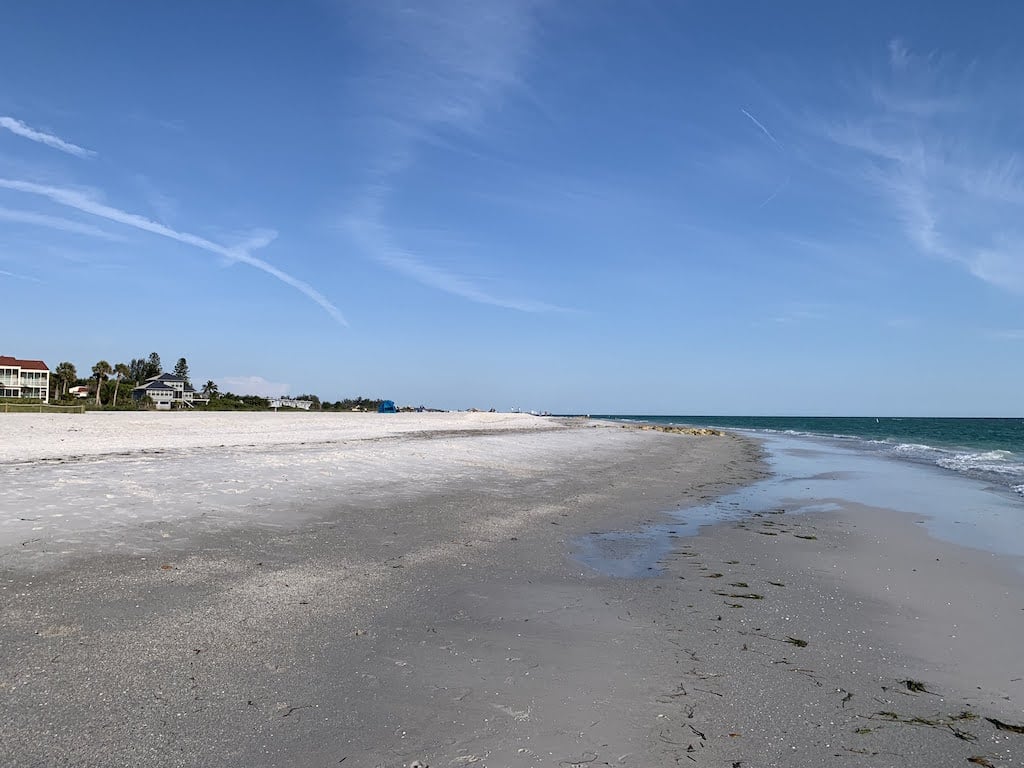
942, 723
740, 595
1000, 725
916, 686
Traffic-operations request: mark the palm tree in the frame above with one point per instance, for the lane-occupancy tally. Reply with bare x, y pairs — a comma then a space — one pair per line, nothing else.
121, 371
65, 373
101, 370
210, 389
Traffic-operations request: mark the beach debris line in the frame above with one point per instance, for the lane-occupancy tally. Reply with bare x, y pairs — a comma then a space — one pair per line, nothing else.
694, 431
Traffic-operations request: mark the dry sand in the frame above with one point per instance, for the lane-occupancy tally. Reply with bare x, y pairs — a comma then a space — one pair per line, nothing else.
30, 437
375, 603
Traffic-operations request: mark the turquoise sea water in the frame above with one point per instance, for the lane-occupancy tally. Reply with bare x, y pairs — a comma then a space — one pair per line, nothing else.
991, 450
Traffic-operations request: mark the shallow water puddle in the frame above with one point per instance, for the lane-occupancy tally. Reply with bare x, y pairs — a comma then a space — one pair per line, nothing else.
629, 555
815, 476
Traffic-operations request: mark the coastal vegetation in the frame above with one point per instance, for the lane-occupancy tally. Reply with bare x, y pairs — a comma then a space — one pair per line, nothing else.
229, 401
110, 387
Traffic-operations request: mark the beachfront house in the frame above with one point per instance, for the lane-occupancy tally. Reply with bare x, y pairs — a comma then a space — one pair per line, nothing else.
168, 391
24, 378
287, 402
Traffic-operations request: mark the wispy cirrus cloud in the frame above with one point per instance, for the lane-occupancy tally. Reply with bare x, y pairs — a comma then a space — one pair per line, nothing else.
1001, 265
16, 276
1009, 334
241, 253
444, 65
377, 240
436, 69
56, 222
794, 314
165, 206
943, 162
19, 128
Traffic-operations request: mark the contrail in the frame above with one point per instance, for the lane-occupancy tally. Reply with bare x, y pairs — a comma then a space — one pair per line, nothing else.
757, 122
55, 222
75, 199
18, 128
5, 273
776, 193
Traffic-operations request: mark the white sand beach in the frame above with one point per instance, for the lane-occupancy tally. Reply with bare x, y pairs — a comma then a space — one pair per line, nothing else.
29, 437
302, 589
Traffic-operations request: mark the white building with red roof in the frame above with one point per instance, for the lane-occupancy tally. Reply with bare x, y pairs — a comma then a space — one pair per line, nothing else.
24, 378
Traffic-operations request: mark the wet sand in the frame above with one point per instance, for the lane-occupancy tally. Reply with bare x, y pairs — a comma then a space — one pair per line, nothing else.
368, 602
842, 638
420, 604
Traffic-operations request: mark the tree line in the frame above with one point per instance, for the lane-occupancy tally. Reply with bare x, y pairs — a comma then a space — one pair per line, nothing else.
108, 379
112, 381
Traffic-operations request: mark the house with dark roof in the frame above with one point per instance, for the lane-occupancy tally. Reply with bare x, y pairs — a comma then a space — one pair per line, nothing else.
24, 378
168, 391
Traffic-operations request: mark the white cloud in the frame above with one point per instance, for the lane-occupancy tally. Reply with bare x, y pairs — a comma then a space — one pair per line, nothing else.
5, 273
801, 313
252, 385
445, 63
956, 196
899, 56
438, 68
20, 129
376, 240
79, 201
1001, 267
165, 206
56, 222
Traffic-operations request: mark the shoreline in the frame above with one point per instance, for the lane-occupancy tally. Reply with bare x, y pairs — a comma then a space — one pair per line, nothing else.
409, 599
852, 634
990, 450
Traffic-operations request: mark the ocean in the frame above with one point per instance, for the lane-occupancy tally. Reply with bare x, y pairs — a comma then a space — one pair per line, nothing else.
990, 450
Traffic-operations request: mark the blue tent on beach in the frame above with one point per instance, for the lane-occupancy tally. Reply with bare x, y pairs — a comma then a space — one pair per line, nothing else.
387, 406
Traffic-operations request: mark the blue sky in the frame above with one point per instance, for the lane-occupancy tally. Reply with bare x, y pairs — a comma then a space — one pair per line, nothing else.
646, 207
